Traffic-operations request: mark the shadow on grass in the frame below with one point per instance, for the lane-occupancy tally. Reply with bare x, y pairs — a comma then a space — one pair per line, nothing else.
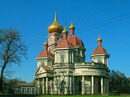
22, 95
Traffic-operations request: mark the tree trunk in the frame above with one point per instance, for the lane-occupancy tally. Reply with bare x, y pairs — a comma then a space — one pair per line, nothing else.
1, 80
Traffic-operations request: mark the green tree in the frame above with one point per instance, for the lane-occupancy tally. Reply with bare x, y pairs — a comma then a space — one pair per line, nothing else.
12, 49
11, 85
118, 82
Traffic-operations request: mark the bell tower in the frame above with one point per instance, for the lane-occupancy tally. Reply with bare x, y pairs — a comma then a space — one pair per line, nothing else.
55, 30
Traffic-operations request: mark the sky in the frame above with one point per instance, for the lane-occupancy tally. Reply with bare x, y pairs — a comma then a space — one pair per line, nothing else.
110, 18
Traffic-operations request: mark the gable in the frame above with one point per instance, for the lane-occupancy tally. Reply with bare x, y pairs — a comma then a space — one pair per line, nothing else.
40, 70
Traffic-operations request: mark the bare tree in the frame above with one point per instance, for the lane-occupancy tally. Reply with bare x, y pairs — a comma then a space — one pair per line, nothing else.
12, 49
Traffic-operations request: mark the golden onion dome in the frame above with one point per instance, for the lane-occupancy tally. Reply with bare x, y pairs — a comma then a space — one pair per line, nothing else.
71, 26
99, 39
55, 26
45, 43
65, 31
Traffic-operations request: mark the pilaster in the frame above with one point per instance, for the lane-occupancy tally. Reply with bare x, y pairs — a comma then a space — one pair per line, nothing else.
46, 85
92, 84
58, 84
55, 91
73, 84
102, 85
38, 86
43, 86
70, 85
82, 84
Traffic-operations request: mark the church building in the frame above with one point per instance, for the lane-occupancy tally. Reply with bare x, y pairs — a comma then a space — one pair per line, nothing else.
61, 66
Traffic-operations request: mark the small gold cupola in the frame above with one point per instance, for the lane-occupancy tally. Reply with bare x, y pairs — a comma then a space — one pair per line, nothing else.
55, 26
71, 26
99, 39
45, 43
65, 31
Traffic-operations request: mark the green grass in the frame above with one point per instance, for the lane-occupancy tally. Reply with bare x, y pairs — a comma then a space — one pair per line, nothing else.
79, 96
59, 96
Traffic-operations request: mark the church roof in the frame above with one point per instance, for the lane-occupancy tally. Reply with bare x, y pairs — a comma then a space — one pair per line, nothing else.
75, 41
24, 84
46, 68
45, 52
100, 49
64, 44
71, 40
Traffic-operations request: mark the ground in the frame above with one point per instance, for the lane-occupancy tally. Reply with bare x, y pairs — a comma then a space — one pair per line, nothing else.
60, 96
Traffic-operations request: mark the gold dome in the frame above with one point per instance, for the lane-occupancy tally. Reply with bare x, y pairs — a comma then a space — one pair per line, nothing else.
55, 26
45, 43
99, 39
65, 31
71, 26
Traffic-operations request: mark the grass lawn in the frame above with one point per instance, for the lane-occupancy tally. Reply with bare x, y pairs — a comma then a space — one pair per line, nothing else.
59, 96
79, 96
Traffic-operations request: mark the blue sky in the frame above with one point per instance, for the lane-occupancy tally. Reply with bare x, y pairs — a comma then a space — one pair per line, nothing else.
32, 17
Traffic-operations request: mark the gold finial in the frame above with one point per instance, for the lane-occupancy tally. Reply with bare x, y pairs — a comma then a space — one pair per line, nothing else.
72, 26
45, 43
99, 38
